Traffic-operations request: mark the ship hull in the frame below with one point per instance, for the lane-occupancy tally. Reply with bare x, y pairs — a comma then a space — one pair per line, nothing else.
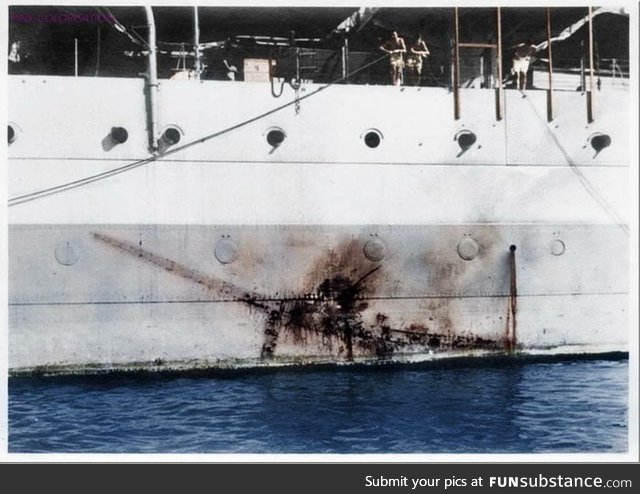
450, 237
138, 297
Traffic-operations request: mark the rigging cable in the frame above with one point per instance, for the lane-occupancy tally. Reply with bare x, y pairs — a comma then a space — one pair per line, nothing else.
32, 196
137, 39
588, 186
120, 28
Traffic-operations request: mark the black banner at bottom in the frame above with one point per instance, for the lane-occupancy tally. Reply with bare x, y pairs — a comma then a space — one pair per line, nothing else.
379, 478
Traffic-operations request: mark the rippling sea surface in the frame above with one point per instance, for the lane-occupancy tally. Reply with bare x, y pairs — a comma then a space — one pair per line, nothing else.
490, 407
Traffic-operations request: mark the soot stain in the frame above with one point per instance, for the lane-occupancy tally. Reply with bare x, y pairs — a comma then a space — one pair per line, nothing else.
333, 310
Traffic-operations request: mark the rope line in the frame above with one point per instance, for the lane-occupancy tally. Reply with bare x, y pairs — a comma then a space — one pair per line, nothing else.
118, 26
584, 181
32, 196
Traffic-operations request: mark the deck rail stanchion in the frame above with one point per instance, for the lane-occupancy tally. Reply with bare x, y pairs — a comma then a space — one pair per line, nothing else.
197, 49
590, 109
550, 71
456, 68
499, 91
75, 57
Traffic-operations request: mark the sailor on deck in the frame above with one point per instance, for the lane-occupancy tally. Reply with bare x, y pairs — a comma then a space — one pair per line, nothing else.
522, 56
417, 53
14, 54
395, 47
232, 70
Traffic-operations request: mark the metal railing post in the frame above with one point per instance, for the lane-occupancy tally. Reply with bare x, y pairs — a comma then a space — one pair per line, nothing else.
590, 109
456, 68
549, 55
499, 91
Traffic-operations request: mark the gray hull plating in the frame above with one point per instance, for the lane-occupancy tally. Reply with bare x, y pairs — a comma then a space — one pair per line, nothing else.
131, 297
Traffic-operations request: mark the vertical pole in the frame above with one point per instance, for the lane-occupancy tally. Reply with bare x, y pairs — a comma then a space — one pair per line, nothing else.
549, 56
75, 57
152, 82
590, 110
456, 68
583, 77
196, 43
346, 59
499, 65
98, 54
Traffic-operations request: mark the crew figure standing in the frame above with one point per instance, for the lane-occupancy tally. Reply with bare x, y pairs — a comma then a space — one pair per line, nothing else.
395, 47
522, 56
417, 53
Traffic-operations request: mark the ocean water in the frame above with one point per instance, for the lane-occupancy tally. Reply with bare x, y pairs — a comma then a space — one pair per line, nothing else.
493, 406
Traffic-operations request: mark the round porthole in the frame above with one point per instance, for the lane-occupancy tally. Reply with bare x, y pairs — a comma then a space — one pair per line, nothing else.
66, 253
374, 250
171, 136
226, 251
119, 135
557, 247
275, 137
600, 141
468, 249
11, 134
465, 139
372, 138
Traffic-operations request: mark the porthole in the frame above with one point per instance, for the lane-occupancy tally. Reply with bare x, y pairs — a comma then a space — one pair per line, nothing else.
226, 251
600, 141
372, 138
66, 253
275, 137
374, 250
557, 247
171, 136
468, 249
119, 135
465, 139
13, 132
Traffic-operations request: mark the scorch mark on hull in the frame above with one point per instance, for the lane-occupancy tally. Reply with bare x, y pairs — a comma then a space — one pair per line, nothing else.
327, 318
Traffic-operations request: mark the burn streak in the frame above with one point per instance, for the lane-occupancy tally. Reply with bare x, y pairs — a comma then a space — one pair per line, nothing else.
365, 276
347, 319
271, 334
332, 311
185, 272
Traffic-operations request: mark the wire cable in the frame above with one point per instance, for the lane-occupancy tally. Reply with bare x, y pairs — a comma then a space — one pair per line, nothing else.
584, 181
32, 196
117, 25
